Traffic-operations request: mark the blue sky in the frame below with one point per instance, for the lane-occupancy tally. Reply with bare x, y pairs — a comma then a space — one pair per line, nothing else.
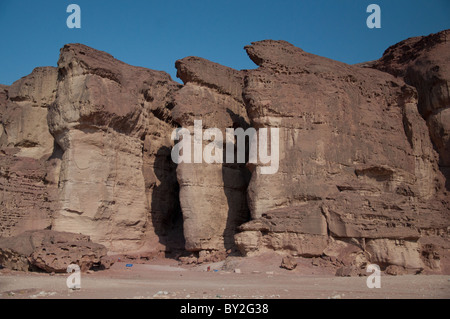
154, 34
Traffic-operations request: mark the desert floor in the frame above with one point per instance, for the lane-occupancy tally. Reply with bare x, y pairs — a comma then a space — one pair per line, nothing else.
259, 277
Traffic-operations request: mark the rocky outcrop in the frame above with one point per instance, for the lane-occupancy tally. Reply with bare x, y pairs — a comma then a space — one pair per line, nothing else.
317, 102
28, 171
212, 196
24, 118
424, 62
367, 187
104, 113
299, 230
87, 148
51, 251
27, 197
288, 262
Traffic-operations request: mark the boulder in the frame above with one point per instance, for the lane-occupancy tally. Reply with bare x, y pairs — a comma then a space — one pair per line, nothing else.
395, 270
288, 262
24, 115
349, 271
397, 252
51, 251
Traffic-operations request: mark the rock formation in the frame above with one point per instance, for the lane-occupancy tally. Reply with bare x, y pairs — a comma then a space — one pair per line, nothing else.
28, 172
424, 62
86, 148
212, 196
367, 186
51, 251
105, 113
28, 99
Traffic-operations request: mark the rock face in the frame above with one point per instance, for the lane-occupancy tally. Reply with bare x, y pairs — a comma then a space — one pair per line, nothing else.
86, 148
28, 187
212, 196
51, 251
28, 99
424, 62
105, 112
370, 186
318, 102
299, 230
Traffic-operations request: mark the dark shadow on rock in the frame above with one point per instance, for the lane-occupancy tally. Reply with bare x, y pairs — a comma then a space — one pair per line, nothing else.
165, 207
446, 172
238, 120
238, 210
57, 152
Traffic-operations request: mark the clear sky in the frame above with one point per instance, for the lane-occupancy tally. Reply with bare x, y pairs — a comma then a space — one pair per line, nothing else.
154, 34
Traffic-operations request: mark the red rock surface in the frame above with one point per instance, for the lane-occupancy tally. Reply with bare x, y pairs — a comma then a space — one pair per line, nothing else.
28, 186
356, 160
212, 196
51, 251
85, 148
112, 121
424, 62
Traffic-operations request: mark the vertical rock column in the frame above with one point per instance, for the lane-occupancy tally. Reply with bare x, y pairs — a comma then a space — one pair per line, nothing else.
212, 196
103, 111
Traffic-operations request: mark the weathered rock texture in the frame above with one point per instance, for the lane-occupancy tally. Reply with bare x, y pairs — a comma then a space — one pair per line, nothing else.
27, 199
299, 230
111, 120
356, 160
28, 186
424, 62
51, 251
212, 196
24, 118
86, 148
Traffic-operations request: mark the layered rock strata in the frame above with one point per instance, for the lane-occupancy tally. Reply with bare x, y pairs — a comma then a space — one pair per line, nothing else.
113, 125
212, 195
363, 151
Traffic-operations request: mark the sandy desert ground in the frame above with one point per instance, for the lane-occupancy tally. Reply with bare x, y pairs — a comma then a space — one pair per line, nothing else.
259, 278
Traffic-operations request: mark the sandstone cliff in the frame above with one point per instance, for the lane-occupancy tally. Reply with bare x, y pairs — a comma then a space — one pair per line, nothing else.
28, 183
363, 169
356, 160
111, 121
212, 196
424, 63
